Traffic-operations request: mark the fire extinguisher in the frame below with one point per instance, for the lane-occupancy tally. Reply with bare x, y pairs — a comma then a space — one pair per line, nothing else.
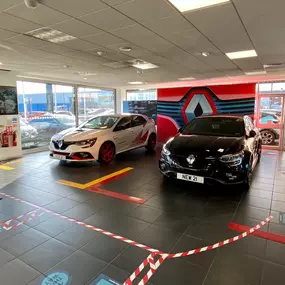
5, 139
14, 138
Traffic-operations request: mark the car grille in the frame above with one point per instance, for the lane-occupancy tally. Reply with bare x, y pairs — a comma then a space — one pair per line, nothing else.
200, 163
64, 146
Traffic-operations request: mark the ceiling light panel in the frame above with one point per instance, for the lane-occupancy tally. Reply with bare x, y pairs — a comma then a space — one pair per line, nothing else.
50, 35
145, 65
241, 54
135, 82
186, 78
258, 72
189, 5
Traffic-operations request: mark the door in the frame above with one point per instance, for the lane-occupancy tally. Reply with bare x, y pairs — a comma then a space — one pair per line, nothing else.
123, 134
270, 120
138, 129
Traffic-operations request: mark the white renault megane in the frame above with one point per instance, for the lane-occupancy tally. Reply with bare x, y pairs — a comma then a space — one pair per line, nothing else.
102, 137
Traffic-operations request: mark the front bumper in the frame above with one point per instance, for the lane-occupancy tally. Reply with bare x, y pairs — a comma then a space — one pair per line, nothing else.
73, 153
217, 173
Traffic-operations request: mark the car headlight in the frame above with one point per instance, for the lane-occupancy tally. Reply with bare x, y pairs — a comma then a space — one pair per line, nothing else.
165, 150
232, 159
86, 143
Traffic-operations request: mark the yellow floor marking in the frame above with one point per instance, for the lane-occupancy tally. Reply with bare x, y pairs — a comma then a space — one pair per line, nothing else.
6, 167
97, 181
14, 161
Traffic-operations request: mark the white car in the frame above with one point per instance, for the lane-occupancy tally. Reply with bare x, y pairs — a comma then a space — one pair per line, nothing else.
102, 137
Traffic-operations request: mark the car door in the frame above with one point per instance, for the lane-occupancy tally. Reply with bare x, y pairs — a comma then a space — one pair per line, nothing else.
138, 130
122, 134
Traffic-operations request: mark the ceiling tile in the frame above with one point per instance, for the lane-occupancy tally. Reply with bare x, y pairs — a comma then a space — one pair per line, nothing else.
169, 25
5, 4
55, 48
147, 10
78, 44
16, 24
108, 19
26, 41
112, 55
76, 28
265, 25
103, 39
4, 34
228, 37
115, 2
41, 15
249, 64
75, 8
219, 61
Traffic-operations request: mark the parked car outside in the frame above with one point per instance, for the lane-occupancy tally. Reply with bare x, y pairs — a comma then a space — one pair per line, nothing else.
29, 135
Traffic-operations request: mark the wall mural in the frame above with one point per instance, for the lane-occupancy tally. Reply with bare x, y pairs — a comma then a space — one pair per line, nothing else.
178, 106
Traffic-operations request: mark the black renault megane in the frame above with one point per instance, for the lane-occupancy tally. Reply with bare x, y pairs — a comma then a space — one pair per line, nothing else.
223, 149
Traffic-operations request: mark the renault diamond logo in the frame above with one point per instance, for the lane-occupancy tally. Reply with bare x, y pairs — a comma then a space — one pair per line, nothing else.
191, 158
60, 143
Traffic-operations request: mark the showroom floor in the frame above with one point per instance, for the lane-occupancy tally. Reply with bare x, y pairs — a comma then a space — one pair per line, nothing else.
51, 227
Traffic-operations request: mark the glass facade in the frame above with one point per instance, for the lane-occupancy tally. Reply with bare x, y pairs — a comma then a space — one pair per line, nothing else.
141, 95
47, 109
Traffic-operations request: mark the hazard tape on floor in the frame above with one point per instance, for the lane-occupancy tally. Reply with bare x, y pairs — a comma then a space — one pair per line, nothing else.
154, 266
32, 215
85, 225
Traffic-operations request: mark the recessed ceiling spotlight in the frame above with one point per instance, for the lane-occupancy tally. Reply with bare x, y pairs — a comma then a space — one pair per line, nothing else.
183, 5
1, 63
135, 82
101, 53
85, 78
126, 49
67, 66
241, 54
186, 78
205, 53
32, 4
139, 71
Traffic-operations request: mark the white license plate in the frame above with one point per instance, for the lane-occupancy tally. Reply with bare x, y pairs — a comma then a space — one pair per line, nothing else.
191, 178
59, 156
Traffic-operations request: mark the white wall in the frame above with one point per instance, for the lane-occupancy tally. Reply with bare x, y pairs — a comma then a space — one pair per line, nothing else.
9, 79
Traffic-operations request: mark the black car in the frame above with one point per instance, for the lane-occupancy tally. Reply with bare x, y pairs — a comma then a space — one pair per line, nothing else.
211, 149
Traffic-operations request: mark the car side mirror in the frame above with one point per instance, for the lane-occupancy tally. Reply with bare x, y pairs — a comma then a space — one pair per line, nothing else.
252, 134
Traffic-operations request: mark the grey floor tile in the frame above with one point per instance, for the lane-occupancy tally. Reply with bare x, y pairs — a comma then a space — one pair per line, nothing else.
23, 242
47, 255
17, 272
5, 257
77, 236
81, 266
54, 226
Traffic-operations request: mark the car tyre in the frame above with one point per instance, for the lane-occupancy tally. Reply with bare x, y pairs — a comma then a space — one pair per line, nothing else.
268, 137
151, 143
106, 153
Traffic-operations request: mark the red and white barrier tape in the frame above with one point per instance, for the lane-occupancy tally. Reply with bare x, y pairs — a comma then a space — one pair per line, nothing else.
86, 225
7, 223
23, 222
154, 266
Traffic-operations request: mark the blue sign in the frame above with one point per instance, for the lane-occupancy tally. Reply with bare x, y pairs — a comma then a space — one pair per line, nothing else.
57, 278
104, 280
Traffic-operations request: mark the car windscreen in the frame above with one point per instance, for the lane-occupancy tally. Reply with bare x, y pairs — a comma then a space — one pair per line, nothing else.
101, 122
215, 126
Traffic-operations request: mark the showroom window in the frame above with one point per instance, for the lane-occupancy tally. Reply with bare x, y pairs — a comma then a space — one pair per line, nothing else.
141, 95
45, 110
94, 102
